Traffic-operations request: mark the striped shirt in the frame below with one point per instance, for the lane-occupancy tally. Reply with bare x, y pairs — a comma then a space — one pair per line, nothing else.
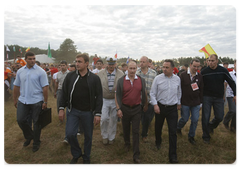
111, 78
149, 77
166, 90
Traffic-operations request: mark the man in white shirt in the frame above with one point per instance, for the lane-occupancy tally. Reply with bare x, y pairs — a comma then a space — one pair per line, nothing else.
166, 98
99, 66
231, 114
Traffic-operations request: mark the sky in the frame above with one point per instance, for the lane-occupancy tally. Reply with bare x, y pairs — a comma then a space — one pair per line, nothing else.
156, 31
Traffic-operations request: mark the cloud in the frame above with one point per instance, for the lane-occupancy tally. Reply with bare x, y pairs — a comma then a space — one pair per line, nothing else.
155, 31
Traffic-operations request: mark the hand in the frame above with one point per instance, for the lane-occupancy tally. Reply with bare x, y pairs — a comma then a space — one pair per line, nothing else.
61, 115
156, 109
119, 114
44, 106
97, 120
179, 106
55, 95
15, 103
235, 99
145, 108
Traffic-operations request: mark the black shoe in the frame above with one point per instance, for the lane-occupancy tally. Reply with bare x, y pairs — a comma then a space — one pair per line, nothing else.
191, 140
86, 161
35, 148
226, 126
179, 131
206, 141
127, 148
136, 161
27, 142
210, 130
74, 160
158, 146
173, 161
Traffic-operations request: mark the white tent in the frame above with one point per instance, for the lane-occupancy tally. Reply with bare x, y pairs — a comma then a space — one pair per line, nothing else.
42, 58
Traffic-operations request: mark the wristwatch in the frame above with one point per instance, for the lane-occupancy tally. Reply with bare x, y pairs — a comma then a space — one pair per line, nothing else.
118, 109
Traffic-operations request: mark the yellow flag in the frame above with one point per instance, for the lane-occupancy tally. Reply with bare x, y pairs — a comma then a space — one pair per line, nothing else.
27, 49
207, 50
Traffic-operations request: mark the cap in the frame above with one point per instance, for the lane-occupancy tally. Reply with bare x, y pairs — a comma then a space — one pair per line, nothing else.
111, 61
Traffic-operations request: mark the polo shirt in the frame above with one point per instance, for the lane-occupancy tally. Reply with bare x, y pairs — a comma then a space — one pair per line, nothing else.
132, 91
31, 81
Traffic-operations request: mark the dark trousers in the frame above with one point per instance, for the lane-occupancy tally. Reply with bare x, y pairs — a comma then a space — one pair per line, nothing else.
23, 114
131, 115
147, 118
171, 114
231, 114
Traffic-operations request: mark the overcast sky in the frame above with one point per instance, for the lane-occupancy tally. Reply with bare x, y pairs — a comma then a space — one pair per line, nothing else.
157, 31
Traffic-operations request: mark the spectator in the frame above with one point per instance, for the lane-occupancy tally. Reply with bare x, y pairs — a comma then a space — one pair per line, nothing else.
124, 68
184, 68
20, 61
225, 65
99, 65
72, 67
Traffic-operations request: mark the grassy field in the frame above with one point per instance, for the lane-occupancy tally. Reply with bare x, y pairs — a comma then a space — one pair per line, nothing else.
221, 150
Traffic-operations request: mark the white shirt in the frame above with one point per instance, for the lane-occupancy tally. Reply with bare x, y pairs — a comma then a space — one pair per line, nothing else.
96, 71
127, 78
166, 90
229, 92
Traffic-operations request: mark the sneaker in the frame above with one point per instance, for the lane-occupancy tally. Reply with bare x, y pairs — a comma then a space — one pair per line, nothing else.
105, 141
65, 141
27, 142
191, 140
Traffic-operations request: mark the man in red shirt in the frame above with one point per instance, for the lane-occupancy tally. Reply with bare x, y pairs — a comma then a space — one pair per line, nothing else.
130, 97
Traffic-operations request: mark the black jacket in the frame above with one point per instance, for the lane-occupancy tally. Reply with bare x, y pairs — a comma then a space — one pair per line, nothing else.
95, 89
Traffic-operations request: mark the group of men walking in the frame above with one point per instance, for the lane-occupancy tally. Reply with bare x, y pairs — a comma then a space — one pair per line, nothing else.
134, 97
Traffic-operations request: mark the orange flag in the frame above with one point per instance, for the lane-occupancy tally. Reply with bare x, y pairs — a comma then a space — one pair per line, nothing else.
27, 49
207, 50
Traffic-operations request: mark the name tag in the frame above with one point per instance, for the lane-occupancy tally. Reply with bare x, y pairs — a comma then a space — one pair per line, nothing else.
194, 86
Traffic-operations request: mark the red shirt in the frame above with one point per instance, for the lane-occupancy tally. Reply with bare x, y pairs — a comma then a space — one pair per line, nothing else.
175, 70
95, 59
53, 70
229, 69
132, 93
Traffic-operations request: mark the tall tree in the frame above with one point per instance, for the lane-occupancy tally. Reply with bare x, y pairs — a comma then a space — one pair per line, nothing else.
67, 51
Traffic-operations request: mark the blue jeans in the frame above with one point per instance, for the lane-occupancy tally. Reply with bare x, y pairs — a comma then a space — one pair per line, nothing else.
23, 114
231, 114
146, 119
72, 125
218, 108
185, 113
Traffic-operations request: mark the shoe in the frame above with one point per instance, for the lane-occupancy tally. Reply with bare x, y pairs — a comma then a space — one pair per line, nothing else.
206, 141
191, 140
86, 161
35, 148
65, 141
137, 161
210, 130
111, 142
127, 148
226, 126
144, 139
158, 147
74, 160
173, 161
27, 142
105, 141
179, 131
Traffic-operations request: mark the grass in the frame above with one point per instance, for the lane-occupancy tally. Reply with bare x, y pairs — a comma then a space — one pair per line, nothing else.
221, 150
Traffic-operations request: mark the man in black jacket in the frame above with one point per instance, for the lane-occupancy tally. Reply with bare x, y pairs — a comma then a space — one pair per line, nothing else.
82, 95
214, 77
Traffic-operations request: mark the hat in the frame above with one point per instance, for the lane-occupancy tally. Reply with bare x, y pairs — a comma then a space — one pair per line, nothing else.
111, 61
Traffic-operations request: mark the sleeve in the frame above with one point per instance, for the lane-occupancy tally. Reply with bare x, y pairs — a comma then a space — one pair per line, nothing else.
17, 80
153, 92
99, 97
179, 93
43, 79
63, 102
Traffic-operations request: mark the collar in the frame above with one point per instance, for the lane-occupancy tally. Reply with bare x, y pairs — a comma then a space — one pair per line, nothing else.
114, 71
188, 72
127, 78
34, 66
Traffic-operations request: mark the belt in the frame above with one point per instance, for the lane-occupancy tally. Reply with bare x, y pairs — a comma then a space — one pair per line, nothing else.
167, 106
131, 106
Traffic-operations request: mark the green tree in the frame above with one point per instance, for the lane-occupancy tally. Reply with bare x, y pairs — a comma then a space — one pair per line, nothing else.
67, 51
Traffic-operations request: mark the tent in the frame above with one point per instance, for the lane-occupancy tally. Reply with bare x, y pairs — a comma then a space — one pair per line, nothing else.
42, 58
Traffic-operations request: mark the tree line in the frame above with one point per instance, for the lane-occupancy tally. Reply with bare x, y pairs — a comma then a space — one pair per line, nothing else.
68, 50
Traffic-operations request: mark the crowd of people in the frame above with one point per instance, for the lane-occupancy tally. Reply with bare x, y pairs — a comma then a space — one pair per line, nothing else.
134, 93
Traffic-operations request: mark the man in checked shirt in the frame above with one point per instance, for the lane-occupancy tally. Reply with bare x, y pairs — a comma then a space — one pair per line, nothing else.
165, 97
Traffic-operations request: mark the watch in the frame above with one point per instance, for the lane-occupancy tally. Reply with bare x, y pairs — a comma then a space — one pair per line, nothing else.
118, 109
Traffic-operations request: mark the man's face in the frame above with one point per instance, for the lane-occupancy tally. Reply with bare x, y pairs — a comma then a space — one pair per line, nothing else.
225, 65
81, 64
71, 68
19, 58
167, 69
132, 68
194, 67
30, 61
124, 68
212, 62
111, 67
99, 65
63, 67
144, 63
